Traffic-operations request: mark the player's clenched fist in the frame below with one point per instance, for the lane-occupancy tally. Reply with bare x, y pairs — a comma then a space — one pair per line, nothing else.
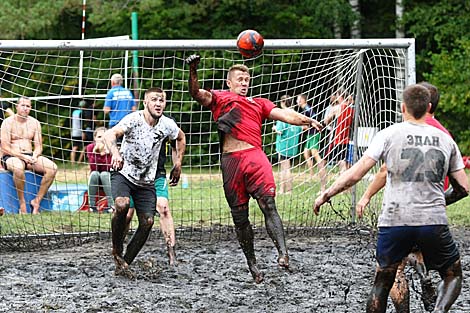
193, 59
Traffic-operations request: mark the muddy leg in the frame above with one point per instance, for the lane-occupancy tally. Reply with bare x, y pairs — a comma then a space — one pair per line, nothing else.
140, 236
400, 292
428, 292
449, 288
246, 239
384, 278
118, 226
275, 229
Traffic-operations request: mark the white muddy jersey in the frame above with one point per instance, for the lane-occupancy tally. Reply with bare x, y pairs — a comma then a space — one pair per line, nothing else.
141, 146
418, 157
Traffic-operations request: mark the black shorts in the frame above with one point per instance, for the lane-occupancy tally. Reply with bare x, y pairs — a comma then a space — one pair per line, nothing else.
283, 157
338, 153
77, 142
435, 242
144, 198
88, 137
5, 157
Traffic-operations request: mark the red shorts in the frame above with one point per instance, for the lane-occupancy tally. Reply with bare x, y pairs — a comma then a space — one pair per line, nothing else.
247, 173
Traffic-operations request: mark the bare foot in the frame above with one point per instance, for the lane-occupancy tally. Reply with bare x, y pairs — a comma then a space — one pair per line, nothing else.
22, 209
283, 262
34, 207
172, 256
256, 273
122, 268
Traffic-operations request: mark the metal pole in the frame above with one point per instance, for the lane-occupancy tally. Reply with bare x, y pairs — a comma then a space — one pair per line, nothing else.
80, 67
215, 44
135, 55
357, 106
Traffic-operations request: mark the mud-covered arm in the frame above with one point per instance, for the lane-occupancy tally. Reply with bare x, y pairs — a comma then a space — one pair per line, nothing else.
459, 187
202, 96
177, 155
345, 181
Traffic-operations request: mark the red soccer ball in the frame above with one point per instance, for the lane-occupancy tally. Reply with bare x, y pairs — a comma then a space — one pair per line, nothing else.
250, 43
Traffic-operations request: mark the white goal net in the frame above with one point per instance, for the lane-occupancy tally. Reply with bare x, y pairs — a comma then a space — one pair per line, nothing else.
58, 75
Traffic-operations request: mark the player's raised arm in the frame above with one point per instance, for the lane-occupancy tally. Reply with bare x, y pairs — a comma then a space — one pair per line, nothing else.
293, 118
202, 96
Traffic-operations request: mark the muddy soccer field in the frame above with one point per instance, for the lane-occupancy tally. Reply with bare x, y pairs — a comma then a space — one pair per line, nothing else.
329, 273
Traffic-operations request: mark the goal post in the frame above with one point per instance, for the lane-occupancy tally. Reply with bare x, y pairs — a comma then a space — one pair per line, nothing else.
58, 74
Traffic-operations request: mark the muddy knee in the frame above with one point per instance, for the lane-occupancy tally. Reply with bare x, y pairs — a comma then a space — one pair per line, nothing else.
146, 221
267, 204
121, 205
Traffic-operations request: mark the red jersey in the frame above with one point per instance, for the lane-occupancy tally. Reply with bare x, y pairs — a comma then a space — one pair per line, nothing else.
433, 122
240, 116
98, 162
343, 124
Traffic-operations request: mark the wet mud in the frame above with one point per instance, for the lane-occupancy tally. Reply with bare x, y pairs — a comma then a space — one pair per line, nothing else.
328, 274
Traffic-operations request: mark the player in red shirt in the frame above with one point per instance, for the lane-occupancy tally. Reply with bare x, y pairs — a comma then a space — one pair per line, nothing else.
246, 170
343, 113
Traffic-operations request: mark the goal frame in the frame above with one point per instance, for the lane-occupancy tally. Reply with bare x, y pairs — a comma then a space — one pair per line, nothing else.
407, 44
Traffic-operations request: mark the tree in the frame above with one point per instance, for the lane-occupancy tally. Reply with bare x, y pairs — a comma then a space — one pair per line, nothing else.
442, 32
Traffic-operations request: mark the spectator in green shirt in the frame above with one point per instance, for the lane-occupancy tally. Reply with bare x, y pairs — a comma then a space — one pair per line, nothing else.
287, 147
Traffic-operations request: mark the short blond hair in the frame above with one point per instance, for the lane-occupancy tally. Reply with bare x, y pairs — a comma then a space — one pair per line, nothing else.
238, 67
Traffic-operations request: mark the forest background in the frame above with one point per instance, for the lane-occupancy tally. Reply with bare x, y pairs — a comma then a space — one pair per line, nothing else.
441, 29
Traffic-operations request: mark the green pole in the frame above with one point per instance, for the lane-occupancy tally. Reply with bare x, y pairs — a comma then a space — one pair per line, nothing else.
135, 55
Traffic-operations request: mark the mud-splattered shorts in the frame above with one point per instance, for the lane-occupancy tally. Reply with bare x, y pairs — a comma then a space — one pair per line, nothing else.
247, 173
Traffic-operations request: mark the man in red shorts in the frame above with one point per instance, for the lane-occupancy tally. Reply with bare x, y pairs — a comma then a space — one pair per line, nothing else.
245, 168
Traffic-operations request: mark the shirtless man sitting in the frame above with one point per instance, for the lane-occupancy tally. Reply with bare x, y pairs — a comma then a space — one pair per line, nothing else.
18, 135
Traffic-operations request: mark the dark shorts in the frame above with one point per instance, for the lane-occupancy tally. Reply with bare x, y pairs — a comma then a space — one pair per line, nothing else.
5, 157
283, 157
88, 137
434, 241
77, 142
247, 173
338, 153
144, 197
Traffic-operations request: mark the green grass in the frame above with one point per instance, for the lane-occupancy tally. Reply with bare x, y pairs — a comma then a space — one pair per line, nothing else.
203, 205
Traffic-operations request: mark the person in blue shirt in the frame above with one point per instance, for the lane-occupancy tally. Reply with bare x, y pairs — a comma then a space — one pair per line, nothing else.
119, 101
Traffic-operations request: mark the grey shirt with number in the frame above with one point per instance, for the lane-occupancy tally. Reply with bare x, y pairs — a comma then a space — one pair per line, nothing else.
141, 146
418, 157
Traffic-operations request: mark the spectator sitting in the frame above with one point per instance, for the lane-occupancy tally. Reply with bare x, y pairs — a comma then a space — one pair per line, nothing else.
99, 159
20, 133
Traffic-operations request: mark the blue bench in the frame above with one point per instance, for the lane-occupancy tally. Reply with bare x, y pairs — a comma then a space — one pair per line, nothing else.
9, 197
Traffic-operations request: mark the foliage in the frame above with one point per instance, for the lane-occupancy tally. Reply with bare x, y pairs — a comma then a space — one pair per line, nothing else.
441, 29
222, 19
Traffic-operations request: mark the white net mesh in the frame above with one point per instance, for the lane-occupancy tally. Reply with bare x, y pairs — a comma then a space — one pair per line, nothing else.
57, 80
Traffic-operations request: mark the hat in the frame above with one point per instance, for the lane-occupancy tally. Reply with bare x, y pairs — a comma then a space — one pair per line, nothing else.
82, 103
